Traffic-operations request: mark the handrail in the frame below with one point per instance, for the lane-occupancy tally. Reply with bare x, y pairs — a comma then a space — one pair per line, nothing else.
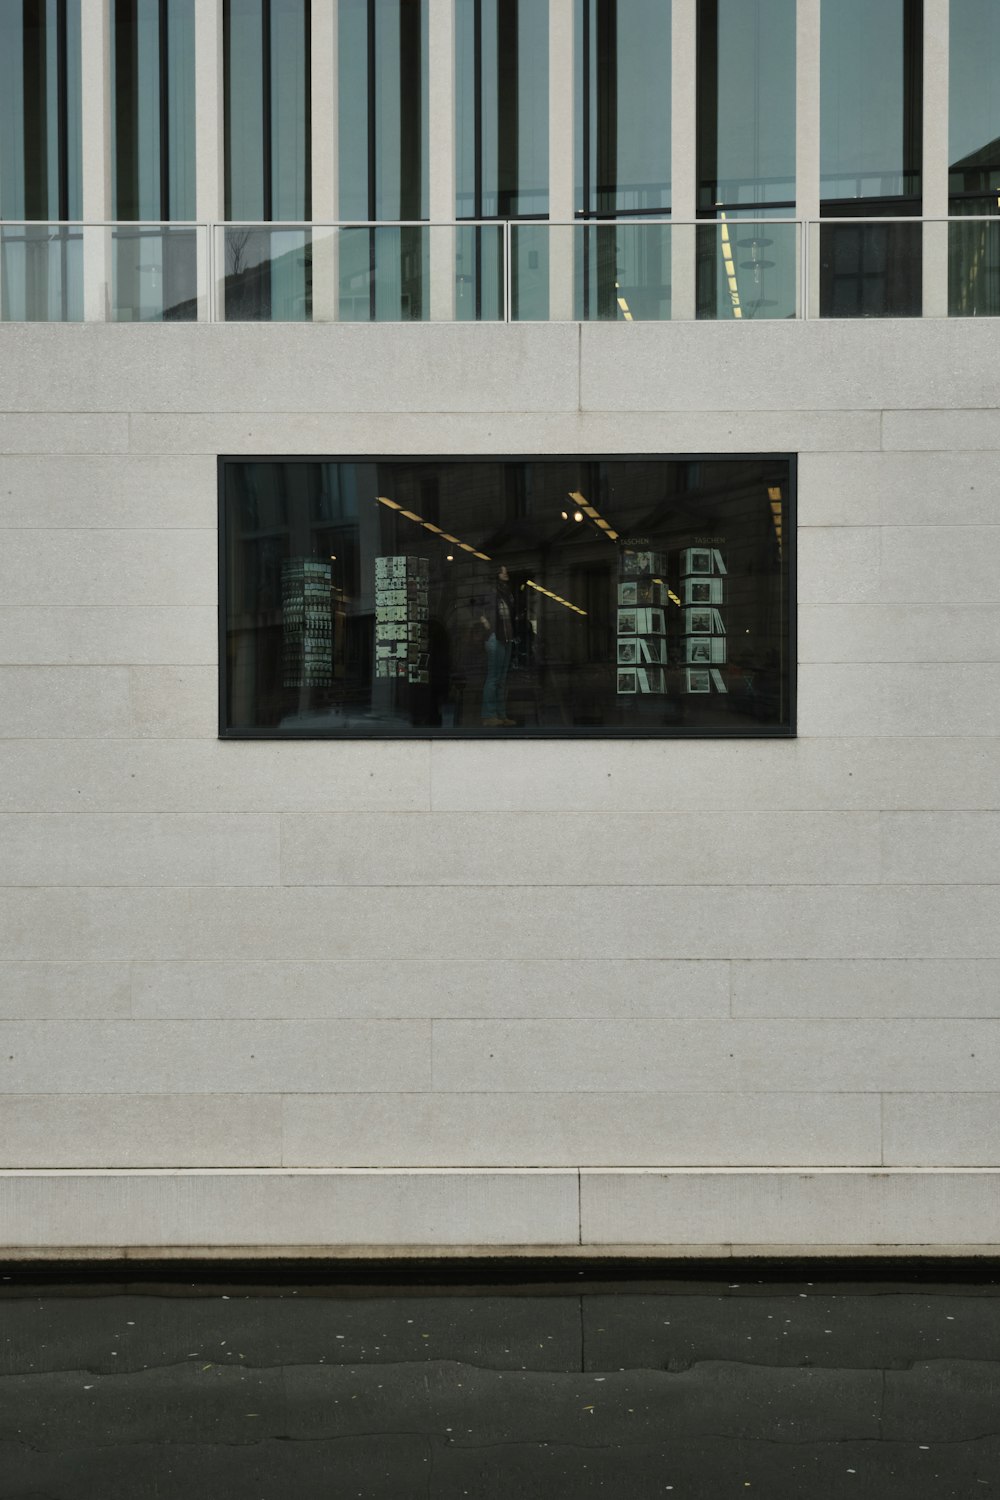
742, 216
91, 272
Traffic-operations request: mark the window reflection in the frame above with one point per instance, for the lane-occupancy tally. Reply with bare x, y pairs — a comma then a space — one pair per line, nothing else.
746, 103
155, 272
537, 597
974, 154
871, 101
871, 123
40, 159
623, 156
267, 118
383, 158
502, 155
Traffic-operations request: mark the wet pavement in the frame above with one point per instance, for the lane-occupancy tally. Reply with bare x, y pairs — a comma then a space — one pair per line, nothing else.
701, 1383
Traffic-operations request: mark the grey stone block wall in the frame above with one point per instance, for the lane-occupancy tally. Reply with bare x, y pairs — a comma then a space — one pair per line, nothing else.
289, 966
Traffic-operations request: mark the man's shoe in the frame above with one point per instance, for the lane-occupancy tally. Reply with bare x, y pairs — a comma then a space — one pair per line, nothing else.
492, 723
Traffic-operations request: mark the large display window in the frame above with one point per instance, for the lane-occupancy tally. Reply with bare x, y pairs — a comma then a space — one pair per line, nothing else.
528, 597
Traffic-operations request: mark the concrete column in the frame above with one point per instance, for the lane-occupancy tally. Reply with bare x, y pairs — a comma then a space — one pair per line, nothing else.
683, 159
441, 133
95, 130
325, 193
210, 179
562, 170
807, 147
936, 155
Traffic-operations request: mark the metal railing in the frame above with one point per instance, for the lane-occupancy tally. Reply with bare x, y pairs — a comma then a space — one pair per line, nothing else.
740, 267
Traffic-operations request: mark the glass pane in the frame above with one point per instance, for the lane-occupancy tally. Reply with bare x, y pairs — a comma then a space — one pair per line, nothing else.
747, 269
974, 269
623, 106
72, 112
41, 274
871, 99
153, 109
479, 273
155, 275
746, 102
384, 274
974, 102
870, 270
40, 158
268, 274
501, 108
383, 109
546, 597
529, 290
623, 272
291, 190
180, 109
245, 124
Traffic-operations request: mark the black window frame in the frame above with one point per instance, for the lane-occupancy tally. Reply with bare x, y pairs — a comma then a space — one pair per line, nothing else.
787, 731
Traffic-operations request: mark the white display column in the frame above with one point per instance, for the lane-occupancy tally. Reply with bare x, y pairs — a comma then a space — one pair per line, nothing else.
210, 179
683, 157
562, 105
807, 140
325, 195
441, 157
936, 154
95, 131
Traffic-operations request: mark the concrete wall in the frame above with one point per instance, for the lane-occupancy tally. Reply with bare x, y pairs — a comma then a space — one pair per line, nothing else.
260, 995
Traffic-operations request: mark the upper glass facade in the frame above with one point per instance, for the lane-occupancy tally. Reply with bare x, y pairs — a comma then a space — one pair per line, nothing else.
623, 107
871, 102
268, 153
502, 153
748, 267
746, 104
974, 103
382, 132
153, 109
153, 164
267, 109
974, 157
41, 163
542, 597
502, 109
495, 254
622, 157
871, 156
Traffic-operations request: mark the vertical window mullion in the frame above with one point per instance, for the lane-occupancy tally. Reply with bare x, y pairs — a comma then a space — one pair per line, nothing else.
266, 110
62, 108
410, 114
607, 107
507, 108
36, 120
164, 102
707, 104
372, 161
913, 96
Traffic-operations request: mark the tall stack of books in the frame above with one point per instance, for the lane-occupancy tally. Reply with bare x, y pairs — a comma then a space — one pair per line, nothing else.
642, 627
703, 570
307, 620
402, 650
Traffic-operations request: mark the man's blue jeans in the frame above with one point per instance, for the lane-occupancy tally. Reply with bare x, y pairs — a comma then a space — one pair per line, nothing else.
495, 686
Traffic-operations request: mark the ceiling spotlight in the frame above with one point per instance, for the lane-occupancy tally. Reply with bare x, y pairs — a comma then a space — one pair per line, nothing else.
565, 515
450, 557
578, 515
